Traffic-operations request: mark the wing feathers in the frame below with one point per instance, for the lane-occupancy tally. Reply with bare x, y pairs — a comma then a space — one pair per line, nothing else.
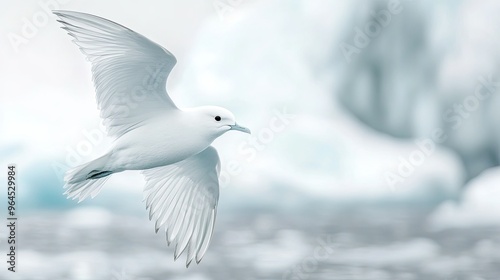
129, 71
182, 198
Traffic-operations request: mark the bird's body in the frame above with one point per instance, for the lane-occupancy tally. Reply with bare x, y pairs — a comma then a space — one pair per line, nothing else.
171, 146
163, 140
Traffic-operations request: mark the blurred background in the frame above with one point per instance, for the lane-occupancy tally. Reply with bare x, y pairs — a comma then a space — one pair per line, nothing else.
374, 152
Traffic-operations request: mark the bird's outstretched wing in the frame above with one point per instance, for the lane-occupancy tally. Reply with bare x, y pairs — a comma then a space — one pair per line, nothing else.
182, 198
129, 71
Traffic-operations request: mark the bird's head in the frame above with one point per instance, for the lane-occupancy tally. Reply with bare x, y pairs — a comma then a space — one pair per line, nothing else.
217, 120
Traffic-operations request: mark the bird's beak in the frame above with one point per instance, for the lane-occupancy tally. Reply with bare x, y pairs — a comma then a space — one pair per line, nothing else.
239, 128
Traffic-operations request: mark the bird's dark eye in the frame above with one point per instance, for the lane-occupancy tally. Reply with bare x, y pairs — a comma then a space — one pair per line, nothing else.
217, 118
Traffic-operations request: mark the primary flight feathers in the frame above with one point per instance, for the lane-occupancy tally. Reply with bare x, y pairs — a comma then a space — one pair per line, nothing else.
129, 71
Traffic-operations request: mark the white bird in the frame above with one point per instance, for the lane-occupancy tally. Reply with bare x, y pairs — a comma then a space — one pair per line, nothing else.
170, 145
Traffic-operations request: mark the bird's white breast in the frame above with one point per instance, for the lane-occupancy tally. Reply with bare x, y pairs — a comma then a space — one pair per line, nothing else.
160, 141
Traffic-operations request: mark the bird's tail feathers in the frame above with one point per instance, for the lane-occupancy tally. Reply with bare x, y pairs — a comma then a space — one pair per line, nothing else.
86, 180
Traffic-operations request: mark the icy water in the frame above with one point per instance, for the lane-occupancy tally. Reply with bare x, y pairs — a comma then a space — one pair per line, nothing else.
369, 244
